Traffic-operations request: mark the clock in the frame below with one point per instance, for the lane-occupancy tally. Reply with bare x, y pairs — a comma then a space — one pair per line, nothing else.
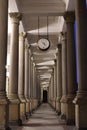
43, 44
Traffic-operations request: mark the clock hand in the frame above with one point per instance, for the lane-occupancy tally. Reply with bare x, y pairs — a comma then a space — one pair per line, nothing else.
43, 43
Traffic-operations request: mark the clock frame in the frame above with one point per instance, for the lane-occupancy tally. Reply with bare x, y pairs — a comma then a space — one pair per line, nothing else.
43, 44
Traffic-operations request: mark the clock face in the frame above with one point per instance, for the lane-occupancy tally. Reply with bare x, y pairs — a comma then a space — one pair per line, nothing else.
43, 44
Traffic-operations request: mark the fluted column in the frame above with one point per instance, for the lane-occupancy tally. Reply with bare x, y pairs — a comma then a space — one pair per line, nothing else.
13, 78
59, 80
81, 98
64, 75
22, 36
71, 67
3, 53
26, 81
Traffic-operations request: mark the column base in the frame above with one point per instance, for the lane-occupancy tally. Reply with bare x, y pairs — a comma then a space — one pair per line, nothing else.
70, 111
81, 110
30, 111
22, 111
27, 111
51, 103
3, 113
32, 105
14, 113
54, 104
63, 107
35, 104
58, 106
22, 108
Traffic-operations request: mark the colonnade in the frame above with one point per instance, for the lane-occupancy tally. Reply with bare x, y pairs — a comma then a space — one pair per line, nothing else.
71, 98
24, 92
19, 100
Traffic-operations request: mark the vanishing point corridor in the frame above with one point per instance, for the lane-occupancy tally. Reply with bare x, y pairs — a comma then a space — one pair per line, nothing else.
43, 64
45, 118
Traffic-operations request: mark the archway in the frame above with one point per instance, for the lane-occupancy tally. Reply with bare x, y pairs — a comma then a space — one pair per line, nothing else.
45, 96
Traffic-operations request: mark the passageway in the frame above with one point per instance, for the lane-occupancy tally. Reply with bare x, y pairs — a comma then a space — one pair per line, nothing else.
45, 118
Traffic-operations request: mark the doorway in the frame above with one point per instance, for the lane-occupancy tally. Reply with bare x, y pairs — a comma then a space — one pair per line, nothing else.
45, 96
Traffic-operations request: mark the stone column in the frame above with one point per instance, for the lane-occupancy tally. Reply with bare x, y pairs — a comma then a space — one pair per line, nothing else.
71, 67
26, 80
81, 98
59, 79
3, 53
22, 36
52, 87
34, 85
31, 86
29, 81
55, 87
49, 92
37, 84
64, 75
38, 89
33, 97
13, 78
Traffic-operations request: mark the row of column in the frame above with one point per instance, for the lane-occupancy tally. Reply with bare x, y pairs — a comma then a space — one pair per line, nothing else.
21, 97
71, 100
81, 97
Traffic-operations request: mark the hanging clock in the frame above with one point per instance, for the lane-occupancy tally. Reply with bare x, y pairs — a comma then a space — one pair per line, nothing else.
43, 44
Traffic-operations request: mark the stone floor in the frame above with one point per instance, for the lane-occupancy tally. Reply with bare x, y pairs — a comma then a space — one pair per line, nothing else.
45, 118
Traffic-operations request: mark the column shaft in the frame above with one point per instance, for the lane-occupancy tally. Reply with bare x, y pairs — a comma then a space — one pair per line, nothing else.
81, 98
64, 76
21, 66
52, 88
3, 53
26, 90
59, 79
81, 22
13, 78
71, 67
26, 71
13, 81
21, 75
55, 86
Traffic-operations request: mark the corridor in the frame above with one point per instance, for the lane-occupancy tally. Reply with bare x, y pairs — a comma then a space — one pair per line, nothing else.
43, 59
45, 118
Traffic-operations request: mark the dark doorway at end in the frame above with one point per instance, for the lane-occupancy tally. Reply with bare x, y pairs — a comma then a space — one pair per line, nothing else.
44, 96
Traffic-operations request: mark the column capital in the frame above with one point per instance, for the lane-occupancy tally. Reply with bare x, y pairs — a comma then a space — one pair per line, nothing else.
15, 17
23, 34
69, 16
63, 36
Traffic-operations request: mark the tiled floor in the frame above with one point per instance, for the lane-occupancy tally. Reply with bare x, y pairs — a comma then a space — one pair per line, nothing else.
45, 118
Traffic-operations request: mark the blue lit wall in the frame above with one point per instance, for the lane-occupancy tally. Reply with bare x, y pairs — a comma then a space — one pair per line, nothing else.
75, 51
